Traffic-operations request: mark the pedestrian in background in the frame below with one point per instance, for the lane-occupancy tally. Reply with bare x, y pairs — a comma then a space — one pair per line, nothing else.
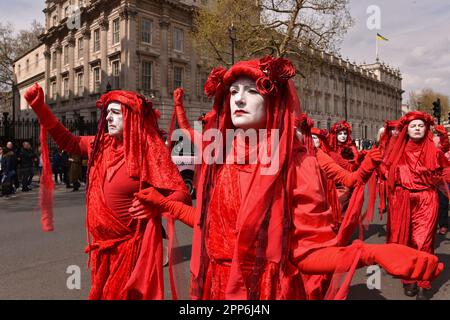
27, 161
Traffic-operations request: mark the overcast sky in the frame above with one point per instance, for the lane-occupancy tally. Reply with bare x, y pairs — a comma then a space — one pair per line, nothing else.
418, 33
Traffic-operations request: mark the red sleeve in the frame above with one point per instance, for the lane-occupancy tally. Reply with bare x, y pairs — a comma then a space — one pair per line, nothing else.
195, 136
80, 145
335, 172
312, 215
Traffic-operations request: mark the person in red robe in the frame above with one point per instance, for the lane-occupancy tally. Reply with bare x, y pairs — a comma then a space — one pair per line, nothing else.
125, 251
443, 143
256, 233
415, 172
344, 153
385, 144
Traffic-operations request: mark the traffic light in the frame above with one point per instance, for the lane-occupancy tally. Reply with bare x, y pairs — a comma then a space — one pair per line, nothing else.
437, 110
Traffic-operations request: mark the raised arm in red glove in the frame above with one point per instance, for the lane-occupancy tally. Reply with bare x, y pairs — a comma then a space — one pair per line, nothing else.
182, 118
63, 138
178, 210
398, 260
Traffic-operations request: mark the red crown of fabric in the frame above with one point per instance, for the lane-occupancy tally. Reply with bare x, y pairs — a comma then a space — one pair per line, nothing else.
304, 122
391, 124
341, 125
137, 102
268, 72
321, 133
415, 115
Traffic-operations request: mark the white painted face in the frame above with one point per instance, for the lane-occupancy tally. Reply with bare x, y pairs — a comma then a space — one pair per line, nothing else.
342, 136
115, 120
416, 130
316, 140
247, 106
299, 134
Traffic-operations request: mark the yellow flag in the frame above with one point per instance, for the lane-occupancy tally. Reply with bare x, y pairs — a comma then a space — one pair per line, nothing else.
380, 37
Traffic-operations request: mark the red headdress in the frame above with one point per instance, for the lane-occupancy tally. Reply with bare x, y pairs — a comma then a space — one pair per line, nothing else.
272, 80
322, 134
335, 129
428, 156
305, 124
386, 137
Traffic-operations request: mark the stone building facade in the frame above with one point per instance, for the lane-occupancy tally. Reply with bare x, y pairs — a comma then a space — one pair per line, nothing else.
144, 46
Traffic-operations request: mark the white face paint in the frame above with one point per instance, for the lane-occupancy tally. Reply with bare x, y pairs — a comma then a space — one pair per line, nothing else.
115, 120
342, 136
299, 134
416, 130
247, 106
316, 140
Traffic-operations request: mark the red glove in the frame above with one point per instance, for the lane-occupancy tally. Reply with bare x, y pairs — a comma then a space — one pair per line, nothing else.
179, 109
371, 162
35, 98
402, 261
177, 209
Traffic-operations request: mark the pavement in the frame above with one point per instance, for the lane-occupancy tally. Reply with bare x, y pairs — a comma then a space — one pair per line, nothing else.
44, 265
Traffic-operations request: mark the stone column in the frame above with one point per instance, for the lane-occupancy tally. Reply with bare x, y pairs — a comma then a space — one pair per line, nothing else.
72, 76
164, 57
104, 27
86, 50
47, 56
129, 70
58, 75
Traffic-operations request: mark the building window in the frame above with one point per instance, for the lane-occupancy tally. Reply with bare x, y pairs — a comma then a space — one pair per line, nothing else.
116, 31
37, 59
116, 74
96, 72
203, 78
97, 40
94, 116
80, 48
54, 60
53, 90
66, 54
178, 39
18, 70
80, 84
66, 88
66, 12
146, 34
177, 77
147, 76
55, 21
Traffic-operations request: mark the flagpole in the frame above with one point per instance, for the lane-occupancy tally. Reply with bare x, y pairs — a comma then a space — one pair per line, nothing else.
376, 48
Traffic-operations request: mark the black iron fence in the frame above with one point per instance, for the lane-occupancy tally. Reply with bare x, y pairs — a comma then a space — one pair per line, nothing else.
29, 130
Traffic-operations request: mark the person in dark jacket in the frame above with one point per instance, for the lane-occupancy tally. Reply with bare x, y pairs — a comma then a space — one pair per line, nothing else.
27, 161
56, 165
9, 165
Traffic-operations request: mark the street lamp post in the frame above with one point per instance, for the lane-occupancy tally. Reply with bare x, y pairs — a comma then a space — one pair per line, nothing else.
232, 34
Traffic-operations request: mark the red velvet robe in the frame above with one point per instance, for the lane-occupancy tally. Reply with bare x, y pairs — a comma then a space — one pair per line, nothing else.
413, 207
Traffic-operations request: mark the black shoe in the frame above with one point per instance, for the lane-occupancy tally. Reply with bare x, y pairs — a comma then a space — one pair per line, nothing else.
423, 294
410, 289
